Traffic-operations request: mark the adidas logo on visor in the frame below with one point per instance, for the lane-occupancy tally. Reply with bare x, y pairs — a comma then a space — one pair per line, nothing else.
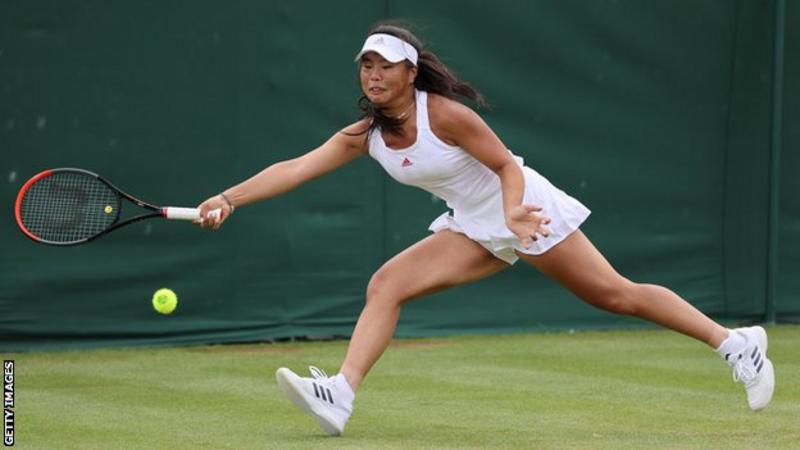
390, 47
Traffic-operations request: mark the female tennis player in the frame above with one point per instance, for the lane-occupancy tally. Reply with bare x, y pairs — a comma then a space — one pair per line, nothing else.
414, 126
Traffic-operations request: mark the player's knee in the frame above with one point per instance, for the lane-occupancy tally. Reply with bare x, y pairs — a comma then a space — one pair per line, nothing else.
380, 290
619, 297
374, 287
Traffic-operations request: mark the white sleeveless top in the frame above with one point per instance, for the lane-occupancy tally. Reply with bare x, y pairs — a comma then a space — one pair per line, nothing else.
473, 191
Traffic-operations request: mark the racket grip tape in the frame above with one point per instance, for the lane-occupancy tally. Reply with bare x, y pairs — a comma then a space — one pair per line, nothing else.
175, 213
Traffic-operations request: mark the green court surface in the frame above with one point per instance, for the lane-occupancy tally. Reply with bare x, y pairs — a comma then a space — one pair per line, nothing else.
628, 389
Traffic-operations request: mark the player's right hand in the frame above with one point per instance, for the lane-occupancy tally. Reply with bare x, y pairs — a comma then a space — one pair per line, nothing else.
212, 221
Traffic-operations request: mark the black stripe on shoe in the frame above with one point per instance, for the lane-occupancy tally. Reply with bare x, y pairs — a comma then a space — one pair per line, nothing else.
316, 391
758, 358
755, 350
758, 369
330, 396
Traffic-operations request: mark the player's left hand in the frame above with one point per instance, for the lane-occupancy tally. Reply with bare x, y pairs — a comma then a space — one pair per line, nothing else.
527, 223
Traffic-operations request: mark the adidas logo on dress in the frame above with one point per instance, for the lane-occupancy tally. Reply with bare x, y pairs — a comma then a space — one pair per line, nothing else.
407, 162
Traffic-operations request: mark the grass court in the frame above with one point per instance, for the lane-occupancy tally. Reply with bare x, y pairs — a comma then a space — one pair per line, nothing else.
595, 390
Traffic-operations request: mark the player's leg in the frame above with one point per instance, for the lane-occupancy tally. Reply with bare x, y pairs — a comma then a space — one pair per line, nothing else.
579, 266
442, 260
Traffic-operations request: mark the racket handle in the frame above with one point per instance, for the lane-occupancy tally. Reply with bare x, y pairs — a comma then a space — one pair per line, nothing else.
175, 213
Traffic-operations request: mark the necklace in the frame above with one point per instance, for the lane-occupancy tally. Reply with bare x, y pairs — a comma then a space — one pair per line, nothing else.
404, 115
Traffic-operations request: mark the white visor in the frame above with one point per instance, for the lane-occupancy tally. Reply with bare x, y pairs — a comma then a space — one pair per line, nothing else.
391, 48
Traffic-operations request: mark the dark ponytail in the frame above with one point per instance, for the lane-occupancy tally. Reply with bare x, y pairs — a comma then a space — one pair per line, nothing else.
432, 76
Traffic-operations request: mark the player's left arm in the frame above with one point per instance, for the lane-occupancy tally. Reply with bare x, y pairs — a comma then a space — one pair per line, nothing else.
456, 124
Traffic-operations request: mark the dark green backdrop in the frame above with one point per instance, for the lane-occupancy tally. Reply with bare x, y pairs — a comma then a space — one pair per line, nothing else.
656, 114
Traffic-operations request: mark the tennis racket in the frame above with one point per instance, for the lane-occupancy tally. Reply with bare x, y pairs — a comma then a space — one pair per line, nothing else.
75, 206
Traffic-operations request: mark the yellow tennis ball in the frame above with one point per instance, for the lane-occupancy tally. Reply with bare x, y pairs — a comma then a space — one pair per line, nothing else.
108, 209
165, 301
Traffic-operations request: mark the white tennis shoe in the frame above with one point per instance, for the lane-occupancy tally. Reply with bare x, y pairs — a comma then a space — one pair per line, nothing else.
752, 367
328, 399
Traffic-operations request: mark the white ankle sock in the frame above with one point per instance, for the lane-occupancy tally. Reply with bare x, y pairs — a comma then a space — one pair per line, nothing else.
734, 343
341, 381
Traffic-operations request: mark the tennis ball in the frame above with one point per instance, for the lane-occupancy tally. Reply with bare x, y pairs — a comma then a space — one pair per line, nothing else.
165, 301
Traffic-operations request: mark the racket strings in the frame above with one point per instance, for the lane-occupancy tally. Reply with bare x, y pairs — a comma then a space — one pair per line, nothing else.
68, 207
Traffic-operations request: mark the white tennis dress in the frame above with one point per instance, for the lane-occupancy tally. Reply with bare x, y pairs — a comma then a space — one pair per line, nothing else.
473, 191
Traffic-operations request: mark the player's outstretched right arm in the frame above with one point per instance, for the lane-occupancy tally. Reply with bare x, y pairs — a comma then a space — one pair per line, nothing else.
284, 176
